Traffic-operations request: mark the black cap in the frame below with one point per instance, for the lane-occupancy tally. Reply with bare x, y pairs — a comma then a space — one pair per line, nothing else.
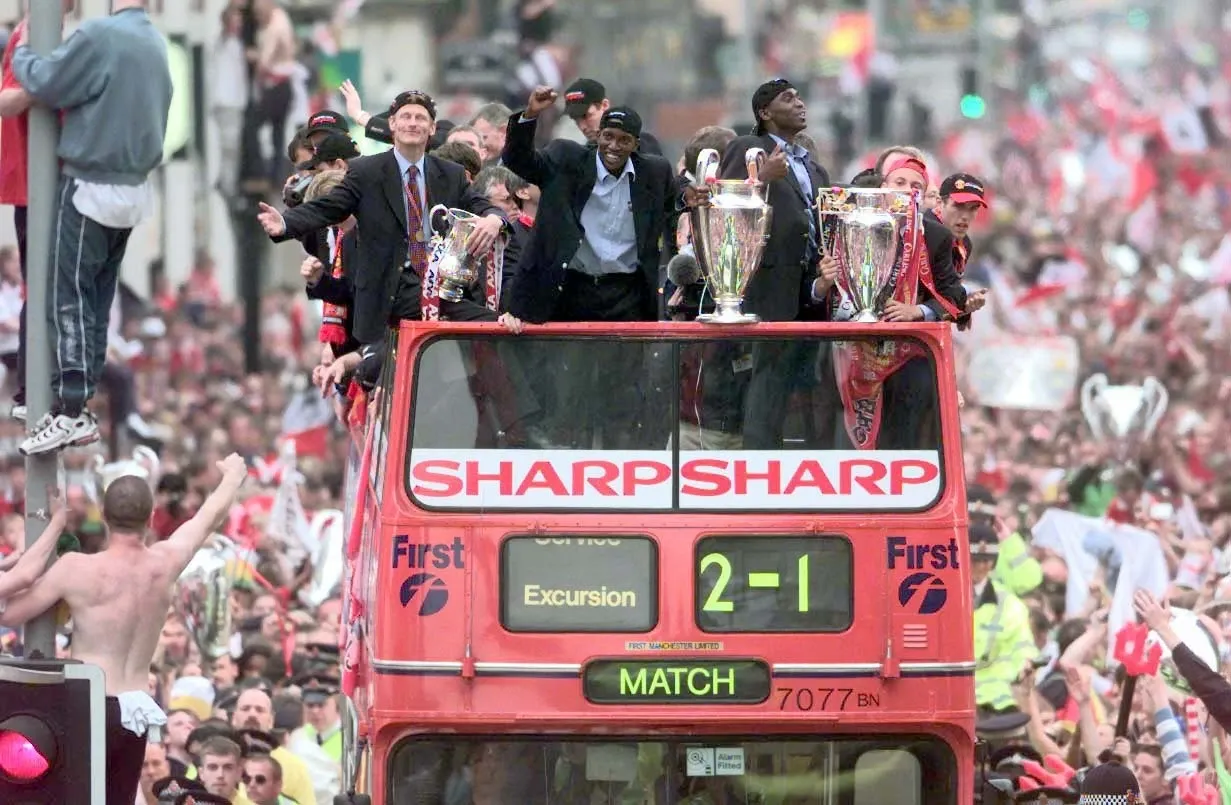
963, 188
980, 500
1111, 784
201, 798
1047, 795
332, 147
581, 95
983, 541
257, 742
317, 685
171, 787
999, 726
413, 96
327, 120
1013, 755
622, 118
764, 96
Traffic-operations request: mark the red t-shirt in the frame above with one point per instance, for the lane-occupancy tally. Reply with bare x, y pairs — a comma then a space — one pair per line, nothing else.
14, 132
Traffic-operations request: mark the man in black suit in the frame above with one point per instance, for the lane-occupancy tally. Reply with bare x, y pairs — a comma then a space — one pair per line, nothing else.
593, 256
787, 286
390, 195
602, 214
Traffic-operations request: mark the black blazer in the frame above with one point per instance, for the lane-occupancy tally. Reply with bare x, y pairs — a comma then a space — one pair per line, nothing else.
373, 192
339, 290
781, 289
565, 173
939, 241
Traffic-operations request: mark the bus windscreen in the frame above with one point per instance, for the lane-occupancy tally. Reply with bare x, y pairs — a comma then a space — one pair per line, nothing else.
806, 424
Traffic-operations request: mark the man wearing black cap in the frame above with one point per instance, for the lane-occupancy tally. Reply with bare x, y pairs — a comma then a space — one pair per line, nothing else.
602, 214
585, 102
1004, 641
390, 195
323, 723
1016, 569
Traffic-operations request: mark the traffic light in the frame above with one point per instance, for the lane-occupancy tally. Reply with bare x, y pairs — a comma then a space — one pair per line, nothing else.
52, 733
973, 105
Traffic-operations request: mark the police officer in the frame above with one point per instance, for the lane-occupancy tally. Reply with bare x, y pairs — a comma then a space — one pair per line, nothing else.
322, 721
1016, 570
998, 732
1004, 642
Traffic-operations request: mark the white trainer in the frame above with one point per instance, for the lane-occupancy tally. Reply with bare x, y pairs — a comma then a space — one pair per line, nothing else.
58, 432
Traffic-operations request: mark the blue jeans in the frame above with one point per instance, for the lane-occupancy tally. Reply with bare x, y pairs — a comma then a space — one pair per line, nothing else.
85, 270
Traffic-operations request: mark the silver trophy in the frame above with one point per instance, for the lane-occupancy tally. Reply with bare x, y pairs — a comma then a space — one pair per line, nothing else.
729, 235
865, 230
456, 268
204, 595
143, 464
1122, 414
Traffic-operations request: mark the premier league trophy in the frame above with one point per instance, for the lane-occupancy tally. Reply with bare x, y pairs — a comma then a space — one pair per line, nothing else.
1126, 415
865, 230
456, 268
729, 235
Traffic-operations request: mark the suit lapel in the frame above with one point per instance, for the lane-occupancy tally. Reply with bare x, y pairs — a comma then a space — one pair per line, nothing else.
639, 198
587, 176
437, 183
395, 190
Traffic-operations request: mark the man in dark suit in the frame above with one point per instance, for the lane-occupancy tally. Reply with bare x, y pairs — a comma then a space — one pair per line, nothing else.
787, 286
593, 256
602, 214
390, 195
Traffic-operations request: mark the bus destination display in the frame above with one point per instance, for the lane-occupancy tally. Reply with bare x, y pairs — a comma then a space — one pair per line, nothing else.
579, 584
676, 681
773, 584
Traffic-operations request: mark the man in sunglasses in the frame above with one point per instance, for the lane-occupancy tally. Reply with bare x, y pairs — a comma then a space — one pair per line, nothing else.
263, 781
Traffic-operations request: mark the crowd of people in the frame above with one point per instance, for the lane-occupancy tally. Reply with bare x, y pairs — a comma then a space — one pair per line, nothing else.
1127, 262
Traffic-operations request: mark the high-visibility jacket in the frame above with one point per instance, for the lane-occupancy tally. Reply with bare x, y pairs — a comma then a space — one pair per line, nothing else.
332, 745
1004, 643
1016, 570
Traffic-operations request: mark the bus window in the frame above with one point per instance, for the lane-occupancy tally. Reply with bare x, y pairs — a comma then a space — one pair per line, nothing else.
726, 771
740, 424
774, 584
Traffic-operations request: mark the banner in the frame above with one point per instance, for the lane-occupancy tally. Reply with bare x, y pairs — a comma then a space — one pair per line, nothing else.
1030, 373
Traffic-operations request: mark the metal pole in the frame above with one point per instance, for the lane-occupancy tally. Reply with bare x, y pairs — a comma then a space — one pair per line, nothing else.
45, 24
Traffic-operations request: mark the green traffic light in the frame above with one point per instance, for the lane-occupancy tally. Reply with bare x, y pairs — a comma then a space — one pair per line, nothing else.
1139, 19
973, 106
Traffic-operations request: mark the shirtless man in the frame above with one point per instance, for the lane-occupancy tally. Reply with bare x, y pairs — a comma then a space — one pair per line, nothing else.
118, 601
275, 68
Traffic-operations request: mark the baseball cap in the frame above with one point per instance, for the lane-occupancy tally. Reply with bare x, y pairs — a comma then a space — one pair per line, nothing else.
332, 147
963, 188
413, 96
983, 542
327, 120
622, 118
581, 95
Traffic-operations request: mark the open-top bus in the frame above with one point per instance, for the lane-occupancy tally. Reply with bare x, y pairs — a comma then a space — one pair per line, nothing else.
572, 583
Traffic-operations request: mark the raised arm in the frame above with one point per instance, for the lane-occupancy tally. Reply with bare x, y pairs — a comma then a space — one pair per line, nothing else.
519, 154
189, 537
33, 563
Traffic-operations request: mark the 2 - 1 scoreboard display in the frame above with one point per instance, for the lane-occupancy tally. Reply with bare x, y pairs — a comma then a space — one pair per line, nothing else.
579, 584
773, 584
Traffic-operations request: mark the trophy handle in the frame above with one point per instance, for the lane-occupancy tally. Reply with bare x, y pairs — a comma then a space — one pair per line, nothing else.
431, 217
706, 169
1156, 394
753, 159
1089, 409
147, 458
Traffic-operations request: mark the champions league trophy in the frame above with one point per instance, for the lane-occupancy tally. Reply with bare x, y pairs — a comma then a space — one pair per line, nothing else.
458, 269
729, 234
1123, 414
143, 464
864, 229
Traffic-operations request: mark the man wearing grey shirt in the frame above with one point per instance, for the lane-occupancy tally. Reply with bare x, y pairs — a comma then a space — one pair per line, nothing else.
112, 83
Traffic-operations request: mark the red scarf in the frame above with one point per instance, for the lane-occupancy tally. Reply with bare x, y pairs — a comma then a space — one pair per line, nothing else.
333, 318
863, 366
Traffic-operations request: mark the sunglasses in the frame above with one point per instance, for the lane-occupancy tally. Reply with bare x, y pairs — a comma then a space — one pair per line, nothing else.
259, 779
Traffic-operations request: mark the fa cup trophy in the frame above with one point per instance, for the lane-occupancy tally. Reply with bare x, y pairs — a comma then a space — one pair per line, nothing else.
729, 235
1126, 415
865, 231
457, 268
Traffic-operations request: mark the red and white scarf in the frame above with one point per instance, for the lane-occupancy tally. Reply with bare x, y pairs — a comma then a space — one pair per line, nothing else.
492, 268
333, 317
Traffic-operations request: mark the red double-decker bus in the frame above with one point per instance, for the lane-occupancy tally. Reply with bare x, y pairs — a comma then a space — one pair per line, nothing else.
580, 574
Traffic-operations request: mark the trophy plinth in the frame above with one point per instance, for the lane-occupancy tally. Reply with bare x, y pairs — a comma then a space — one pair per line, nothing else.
866, 317
727, 311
